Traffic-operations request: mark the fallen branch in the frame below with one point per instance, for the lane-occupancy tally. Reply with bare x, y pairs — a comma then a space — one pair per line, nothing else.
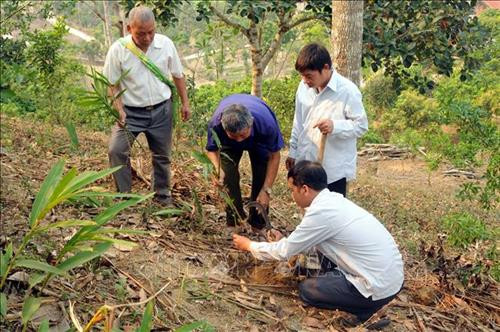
459, 173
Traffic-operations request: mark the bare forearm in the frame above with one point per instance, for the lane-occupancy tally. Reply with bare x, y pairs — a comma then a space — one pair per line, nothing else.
272, 169
180, 84
214, 158
113, 90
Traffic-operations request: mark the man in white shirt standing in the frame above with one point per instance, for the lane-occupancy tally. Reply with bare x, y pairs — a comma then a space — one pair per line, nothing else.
326, 103
362, 268
146, 105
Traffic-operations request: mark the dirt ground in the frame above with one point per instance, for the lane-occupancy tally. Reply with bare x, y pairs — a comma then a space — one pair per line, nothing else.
206, 279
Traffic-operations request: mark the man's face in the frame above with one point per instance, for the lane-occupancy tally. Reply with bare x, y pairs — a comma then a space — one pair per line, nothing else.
298, 194
143, 33
316, 78
241, 135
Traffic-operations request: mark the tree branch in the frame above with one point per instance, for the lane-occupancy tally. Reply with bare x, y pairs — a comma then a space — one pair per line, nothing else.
94, 10
228, 21
278, 38
302, 20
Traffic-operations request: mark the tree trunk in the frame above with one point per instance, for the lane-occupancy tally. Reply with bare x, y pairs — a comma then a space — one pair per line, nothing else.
108, 36
257, 72
121, 24
347, 38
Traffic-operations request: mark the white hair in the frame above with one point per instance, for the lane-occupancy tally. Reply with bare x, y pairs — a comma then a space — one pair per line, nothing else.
140, 14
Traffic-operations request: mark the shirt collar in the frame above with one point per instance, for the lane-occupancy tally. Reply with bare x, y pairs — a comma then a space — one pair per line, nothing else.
332, 83
156, 42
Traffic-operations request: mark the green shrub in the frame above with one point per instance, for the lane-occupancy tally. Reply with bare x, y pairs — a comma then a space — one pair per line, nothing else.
464, 229
378, 94
279, 94
371, 136
411, 110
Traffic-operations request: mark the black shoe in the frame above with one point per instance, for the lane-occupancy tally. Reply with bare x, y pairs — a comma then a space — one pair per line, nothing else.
164, 201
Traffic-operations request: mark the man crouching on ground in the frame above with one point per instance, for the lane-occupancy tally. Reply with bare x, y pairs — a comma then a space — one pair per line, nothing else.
361, 266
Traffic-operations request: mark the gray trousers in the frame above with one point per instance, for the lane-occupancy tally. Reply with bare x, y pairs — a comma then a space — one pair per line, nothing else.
156, 124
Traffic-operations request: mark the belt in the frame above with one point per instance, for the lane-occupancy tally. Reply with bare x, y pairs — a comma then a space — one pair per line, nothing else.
146, 108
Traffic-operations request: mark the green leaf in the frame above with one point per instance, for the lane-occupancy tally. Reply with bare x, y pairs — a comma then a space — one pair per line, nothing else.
83, 256
45, 192
37, 265
101, 219
3, 304
77, 183
169, 212
215, 137
63, 183
4, 263
112, 211
36, 278
86, 178
66, 224
44, 327
98, 237
73, 136
202, 325
147, 318
30, 306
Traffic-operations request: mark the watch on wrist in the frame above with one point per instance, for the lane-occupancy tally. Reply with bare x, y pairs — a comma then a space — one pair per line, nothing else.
267, 190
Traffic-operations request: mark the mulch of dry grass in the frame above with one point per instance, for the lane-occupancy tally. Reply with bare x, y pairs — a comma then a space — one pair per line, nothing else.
209, 280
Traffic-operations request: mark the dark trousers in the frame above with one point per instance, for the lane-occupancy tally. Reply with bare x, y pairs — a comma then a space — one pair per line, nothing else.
232, 183
156, 124
331, 290
339, 186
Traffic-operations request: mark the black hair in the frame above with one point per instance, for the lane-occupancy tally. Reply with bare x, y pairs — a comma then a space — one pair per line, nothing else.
313, 57
310, 173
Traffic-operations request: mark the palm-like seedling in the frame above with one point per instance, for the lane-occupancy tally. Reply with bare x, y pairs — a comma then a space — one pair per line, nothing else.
99, 97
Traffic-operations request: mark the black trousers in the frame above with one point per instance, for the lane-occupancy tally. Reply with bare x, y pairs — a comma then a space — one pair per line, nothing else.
230, 159
331, 290
339, 186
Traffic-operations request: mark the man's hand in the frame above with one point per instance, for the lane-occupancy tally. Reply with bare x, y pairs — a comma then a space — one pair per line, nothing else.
241, 242
289, 163
263, 199
123, 117
185, 111
218, 181
273, 235
325, 126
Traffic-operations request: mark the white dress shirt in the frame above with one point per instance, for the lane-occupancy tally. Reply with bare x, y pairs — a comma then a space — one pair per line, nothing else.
340, 101
143, 88
350, 237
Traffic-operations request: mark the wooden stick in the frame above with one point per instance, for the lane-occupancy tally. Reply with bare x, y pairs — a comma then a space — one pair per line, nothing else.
321, 152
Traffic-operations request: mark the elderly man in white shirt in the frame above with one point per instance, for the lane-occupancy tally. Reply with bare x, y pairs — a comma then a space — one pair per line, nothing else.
146, 105
329, 104
362, 268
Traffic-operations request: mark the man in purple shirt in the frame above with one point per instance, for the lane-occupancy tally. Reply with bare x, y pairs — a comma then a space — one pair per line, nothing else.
244, 122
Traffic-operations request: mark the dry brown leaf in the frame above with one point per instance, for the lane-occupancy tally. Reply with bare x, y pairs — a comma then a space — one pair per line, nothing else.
313, 322
142, 295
